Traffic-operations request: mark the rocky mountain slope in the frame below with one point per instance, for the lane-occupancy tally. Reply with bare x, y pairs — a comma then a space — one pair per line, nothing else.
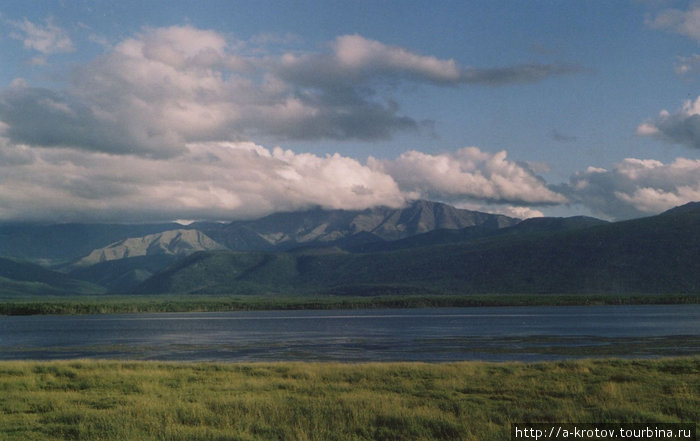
58, 245
288, 230
659, 254
172, 242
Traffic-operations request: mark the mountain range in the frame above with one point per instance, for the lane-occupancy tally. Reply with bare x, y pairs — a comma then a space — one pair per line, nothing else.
425, 247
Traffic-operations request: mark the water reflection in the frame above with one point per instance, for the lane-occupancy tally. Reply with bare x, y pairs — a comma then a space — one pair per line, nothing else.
442, 334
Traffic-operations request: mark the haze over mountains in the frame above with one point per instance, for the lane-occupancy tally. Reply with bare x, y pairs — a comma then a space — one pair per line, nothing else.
426, 247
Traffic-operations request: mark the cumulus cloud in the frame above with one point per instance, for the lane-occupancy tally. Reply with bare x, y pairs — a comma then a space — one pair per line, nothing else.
232, 180
362, 56
684, 22
44, 38
681, 127
468, 174
636, 187
208, 181
157, 91
158, 128
356, 59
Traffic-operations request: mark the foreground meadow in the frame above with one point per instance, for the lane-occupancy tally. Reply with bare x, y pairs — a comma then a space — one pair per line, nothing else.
112, 400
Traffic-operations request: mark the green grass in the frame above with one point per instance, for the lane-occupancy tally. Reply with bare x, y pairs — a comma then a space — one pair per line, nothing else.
94, 400
134, 304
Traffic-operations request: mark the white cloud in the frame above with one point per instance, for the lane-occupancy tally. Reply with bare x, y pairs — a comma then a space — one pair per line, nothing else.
647, 129
515, 211
233, 180
157, 91
229, 180
653, 200
359, 54
684, 22
681, 127
47, 38
523, 212
356, 59
469, 173
636, 187
208, 181
155, 129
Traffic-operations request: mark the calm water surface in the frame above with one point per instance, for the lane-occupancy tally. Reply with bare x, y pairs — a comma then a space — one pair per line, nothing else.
435, 334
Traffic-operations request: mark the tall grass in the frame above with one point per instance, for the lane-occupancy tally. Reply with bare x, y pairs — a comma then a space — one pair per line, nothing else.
95, 400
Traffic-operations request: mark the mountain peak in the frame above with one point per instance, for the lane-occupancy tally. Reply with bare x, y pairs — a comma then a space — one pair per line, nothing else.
172, 242
288, 230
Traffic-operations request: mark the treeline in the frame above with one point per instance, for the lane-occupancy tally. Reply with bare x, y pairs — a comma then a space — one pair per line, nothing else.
138, 304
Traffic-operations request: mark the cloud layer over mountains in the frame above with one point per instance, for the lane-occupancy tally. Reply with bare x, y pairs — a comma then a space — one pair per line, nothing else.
224, 180
167, 124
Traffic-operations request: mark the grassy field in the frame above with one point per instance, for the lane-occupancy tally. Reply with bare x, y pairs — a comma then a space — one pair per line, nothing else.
94, 400
105, 304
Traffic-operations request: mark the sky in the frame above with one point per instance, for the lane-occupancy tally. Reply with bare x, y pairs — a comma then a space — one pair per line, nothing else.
154, 111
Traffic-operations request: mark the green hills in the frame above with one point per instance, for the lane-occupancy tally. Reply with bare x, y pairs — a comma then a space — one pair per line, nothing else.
659, 254
425, 248
18, 279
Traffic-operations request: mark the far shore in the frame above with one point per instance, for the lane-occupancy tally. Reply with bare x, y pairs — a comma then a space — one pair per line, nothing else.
118, 304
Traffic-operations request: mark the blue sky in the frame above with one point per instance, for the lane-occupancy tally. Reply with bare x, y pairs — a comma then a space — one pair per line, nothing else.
149, 111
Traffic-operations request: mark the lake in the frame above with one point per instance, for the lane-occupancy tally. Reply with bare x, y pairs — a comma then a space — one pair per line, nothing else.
430, 334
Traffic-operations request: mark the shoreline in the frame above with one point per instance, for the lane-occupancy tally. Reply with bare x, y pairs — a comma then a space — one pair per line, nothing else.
179, 303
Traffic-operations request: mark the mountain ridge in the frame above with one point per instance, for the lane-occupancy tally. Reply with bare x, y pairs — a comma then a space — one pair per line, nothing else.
179, 242
60, 244
351, 252
658, 254
287, 230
